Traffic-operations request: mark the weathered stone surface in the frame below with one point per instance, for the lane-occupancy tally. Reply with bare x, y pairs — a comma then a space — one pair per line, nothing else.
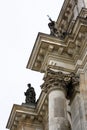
64, 51
59, 105
58, 111
78, 113
69, 83
85, 2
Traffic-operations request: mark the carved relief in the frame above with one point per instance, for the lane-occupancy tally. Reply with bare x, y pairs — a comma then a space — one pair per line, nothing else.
67, 82
53, 79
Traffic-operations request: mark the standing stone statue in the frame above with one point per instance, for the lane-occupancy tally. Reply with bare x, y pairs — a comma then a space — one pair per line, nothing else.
30, 95
54, 30
52, 26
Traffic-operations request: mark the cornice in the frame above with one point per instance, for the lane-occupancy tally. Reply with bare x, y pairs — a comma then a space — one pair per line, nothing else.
67, 51
20, 113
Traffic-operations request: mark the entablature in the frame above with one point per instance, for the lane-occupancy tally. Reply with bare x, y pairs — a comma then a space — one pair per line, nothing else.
60, 53
18, 114
25, 114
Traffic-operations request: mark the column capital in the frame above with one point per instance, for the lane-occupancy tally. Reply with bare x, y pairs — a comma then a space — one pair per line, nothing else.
59, 80
73, 86
55, 80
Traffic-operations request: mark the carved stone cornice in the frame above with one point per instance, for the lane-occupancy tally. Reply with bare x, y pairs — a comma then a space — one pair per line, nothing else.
69, 83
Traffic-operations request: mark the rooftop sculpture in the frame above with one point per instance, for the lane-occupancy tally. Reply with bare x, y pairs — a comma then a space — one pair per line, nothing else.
30, 94
54, 30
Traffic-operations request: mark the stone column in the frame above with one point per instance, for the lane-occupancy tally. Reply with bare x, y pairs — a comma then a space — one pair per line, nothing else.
57, 111
56, 88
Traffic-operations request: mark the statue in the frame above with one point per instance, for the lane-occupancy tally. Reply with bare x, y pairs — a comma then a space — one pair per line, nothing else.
30, 95
54, 30
52, 26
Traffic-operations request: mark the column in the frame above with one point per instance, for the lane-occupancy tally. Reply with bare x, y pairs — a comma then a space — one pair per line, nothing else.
55, 87
57, 111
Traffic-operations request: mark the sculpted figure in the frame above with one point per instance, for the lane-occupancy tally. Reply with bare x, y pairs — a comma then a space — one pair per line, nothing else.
30, 94
52, 26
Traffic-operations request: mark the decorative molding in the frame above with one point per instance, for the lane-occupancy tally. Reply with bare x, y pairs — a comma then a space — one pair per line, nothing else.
69, 83
69, 50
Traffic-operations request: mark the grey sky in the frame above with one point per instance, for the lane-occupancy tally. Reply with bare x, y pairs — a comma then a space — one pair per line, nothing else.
20, 22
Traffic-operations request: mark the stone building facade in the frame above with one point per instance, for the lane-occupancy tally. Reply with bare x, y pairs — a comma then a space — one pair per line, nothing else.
62, 57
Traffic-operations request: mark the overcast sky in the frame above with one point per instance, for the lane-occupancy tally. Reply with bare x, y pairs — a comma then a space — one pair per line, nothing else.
20, 22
